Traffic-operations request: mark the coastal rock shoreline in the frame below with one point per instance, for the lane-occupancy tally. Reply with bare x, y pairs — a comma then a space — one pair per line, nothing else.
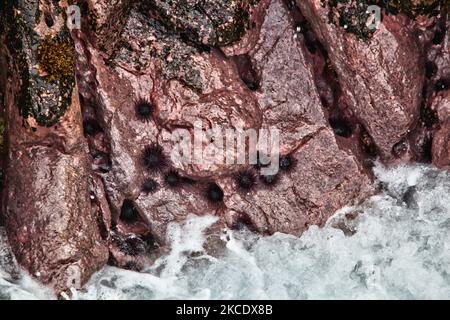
90, 116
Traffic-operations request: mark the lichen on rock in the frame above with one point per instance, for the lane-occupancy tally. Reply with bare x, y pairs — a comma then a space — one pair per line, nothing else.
213, 22
156, 41
56, 58
352, 15
44, 63
415, 7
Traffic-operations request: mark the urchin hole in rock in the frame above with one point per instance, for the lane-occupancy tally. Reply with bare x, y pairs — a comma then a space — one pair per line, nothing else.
287, 163
246, 72
214, 193
150, 185
172, 178
428, 116
269, 180
427, 149
91, 127
48, 19
438, 37
442, 84
341, 127
129, 212
244, 222
430, 69
367, 144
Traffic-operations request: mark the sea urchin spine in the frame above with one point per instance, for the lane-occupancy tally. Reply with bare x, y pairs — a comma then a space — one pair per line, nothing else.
286, 163
149, 186
154, 158
245, 179
144, 109
172, 178
214, 193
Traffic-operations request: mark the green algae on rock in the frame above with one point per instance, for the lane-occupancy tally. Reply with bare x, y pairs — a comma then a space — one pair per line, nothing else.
44, 63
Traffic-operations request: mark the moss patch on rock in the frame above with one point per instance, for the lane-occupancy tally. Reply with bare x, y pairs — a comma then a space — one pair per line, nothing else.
44, 65
56, 58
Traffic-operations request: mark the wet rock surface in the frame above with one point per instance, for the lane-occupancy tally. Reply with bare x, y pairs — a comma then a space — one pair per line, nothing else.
381, 77
46, 208
91, 177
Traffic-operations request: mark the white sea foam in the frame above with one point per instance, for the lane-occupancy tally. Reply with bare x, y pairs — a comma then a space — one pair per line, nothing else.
396, 247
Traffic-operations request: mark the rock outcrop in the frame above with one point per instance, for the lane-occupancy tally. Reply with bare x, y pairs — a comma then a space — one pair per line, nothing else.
47, 211
381, 77
99, 119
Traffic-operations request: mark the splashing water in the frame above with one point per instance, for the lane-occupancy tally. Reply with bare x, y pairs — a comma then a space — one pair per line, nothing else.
396, 245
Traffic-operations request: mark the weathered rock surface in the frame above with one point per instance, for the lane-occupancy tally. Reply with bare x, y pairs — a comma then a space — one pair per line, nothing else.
212, 22
381, 77
106, 19
290, 102
47, 210
439, 101
9, 268
81, 181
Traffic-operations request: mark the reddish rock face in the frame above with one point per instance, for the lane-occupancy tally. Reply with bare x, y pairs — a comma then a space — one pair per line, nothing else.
441, 140
269, 84
287, 95
441, 146
46, 205
51, 223
49, 218
381, 77
102, 184
439, 101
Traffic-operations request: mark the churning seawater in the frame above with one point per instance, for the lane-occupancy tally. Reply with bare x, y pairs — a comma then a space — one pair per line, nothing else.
396, 245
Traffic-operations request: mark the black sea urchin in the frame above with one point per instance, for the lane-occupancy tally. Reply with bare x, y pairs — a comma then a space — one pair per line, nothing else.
149, 186
91, 127
441, 85
341, 128
269, 180
154, 158
128, 213
144, 109
286, 163
246, 179
172, 178
214, 193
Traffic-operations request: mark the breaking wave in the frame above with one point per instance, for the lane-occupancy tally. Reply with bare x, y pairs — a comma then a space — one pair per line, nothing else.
396, 245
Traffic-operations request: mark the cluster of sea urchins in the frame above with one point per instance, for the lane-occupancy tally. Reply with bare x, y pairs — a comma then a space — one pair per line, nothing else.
246, 179
155, 160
